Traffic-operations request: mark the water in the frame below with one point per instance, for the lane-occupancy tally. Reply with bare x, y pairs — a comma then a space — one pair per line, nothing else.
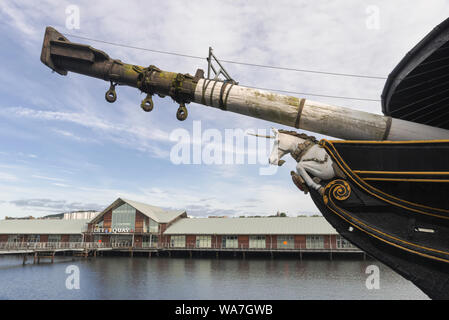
200, 278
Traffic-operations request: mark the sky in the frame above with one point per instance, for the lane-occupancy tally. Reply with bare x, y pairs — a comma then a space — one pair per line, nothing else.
64, 148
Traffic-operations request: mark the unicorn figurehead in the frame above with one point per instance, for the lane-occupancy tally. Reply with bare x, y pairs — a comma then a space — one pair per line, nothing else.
316, 161
283, 144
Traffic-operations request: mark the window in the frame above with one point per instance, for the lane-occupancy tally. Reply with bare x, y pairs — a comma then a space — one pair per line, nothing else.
257, 242
315, 242
34, 238
342, 243
229, 242
121, 240
178, 241
285, 242
203, 241
13, 238
75, 238
54, 238
154, 226
150, 241
124, 217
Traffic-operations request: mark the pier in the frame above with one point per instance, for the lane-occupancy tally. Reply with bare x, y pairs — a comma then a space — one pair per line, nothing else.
47, 251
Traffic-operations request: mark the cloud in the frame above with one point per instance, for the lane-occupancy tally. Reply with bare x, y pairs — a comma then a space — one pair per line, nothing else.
4, 176
46, 178
63, 185
134, 136
319, 35
55, 205
72, 136
16, 17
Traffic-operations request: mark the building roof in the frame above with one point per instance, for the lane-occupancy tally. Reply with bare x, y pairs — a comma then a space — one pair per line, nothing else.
252, 226
156, 213
43, 226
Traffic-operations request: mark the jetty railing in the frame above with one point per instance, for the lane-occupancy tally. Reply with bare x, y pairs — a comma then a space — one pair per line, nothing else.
9, 246
34, 246
297, 246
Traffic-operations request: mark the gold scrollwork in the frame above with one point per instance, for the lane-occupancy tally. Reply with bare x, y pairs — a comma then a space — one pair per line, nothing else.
339, 189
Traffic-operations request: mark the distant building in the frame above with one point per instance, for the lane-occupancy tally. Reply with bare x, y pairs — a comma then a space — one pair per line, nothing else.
136, 223
19, 218
76, 215
53, 216
255, 233
42, 230
139, 225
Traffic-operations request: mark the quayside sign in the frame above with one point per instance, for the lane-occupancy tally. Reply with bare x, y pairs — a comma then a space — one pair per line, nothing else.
98, 229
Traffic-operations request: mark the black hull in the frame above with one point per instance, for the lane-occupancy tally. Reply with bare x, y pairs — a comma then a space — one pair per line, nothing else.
392, 201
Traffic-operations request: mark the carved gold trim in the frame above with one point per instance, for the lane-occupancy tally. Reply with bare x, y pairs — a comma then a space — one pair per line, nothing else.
340, 189
342, 164
405, 180
341, 213
402, 172
389, 142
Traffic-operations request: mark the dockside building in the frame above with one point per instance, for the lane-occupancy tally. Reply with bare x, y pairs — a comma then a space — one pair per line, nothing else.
136, 225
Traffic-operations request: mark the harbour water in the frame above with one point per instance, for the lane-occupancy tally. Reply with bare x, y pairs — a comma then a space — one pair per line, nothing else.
200, 278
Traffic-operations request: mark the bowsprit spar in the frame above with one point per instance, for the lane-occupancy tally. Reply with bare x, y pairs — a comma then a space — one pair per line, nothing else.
383, 187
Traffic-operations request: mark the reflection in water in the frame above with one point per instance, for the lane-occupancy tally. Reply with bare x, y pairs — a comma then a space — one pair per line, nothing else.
200, 278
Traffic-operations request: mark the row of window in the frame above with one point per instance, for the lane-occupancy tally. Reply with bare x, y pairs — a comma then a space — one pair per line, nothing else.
37, 238
285, 242
229, 242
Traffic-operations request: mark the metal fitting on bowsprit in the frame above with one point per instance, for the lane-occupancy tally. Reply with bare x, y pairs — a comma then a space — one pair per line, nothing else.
111, 95
147, 103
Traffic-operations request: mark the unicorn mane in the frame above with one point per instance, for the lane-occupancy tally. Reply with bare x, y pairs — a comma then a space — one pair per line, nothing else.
299, 135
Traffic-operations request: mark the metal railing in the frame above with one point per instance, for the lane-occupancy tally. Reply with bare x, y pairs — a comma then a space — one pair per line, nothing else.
297, 246
8, 246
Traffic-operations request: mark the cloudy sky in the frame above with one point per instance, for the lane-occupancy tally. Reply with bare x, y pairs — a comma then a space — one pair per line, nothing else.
63, 147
